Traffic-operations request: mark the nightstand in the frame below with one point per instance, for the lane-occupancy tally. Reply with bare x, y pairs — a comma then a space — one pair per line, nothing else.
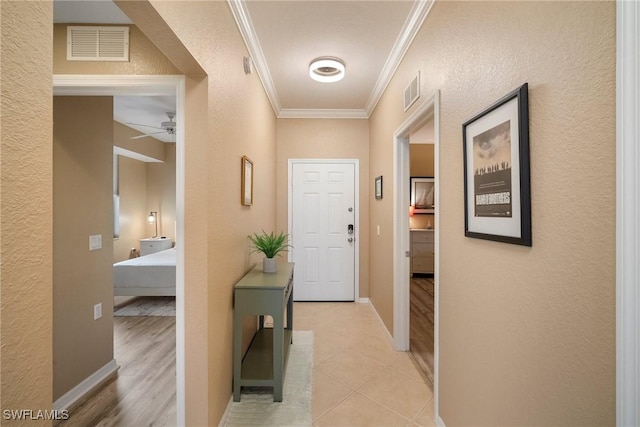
154, 244
422, 251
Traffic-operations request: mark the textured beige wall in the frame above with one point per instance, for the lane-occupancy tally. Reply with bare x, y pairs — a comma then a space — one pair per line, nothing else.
527, 335
161, 193
82, 206
326, 139
240, 122
133, 208
154, 26
196, 254
421, 160
144, 57
25, 206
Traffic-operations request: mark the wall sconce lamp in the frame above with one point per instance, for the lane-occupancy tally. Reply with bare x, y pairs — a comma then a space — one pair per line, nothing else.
153, 219
412, 209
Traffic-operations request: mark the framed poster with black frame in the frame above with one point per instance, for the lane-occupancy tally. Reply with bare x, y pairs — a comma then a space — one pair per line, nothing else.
497, 189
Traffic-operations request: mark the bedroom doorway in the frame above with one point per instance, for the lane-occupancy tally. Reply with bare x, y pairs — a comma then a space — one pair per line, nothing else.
421, 220
421, 230
83, 85
428, 110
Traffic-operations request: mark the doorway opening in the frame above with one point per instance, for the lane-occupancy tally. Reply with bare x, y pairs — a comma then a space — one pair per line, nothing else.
87, 85
422, 248
428, 111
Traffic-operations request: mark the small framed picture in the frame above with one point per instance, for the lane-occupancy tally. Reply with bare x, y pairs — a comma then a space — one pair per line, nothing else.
497, 192
423, 194
246, 190
378, 187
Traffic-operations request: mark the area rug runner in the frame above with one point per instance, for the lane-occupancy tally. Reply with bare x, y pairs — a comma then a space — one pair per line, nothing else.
149, 306
256, 406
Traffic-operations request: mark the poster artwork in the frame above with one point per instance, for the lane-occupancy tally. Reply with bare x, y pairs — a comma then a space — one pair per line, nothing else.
492, 172
424, 192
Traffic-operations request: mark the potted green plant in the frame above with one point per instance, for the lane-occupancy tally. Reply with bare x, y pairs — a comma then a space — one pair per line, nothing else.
270, 245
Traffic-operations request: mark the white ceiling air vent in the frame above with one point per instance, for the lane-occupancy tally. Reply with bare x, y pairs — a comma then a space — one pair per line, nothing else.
412, 92
97, 43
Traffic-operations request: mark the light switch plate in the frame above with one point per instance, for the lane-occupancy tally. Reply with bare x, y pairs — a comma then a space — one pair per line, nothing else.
95, 242
97, 311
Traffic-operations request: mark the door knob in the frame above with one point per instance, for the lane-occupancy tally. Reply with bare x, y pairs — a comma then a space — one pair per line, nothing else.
350, 239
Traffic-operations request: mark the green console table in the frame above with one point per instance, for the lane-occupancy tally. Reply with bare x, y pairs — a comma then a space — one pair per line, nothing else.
259, 293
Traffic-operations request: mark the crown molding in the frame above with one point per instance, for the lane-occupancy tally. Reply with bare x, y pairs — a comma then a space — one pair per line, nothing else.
292, 113
413, 23
243, 21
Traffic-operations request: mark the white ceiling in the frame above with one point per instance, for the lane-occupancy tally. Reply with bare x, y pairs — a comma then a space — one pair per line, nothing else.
283, 37
292, 34
145, 113
88, 12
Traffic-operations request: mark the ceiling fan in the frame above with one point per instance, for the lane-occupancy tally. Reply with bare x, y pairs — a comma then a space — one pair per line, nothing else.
165, 127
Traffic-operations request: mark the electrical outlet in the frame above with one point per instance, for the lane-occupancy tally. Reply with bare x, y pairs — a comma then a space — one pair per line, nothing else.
97, 311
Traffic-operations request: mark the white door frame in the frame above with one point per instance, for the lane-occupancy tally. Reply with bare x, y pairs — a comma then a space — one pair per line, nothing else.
109, 85
430, 108
427, 110
356, 194
627, 214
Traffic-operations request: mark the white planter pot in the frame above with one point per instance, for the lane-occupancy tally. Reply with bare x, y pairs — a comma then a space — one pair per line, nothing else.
269, 265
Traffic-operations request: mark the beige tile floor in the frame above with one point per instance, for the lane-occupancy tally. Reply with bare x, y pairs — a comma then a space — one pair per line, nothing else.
358, 378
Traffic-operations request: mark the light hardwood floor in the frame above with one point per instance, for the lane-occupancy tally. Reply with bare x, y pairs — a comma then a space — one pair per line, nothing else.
144, 391
421, 335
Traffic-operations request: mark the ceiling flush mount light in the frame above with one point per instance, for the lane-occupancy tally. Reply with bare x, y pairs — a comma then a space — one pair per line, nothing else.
326, 70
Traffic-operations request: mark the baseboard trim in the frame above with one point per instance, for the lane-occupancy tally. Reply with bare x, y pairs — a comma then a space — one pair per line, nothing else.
384, 327
93, 381
439, 422
362, 300
225, 415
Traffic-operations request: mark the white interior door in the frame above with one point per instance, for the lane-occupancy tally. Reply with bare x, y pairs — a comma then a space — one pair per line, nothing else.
323, 231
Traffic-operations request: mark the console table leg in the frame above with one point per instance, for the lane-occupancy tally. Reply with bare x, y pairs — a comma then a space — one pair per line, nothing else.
278, 343
237, 356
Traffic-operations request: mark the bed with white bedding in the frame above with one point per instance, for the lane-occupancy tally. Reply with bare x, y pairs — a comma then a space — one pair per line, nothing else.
149, 275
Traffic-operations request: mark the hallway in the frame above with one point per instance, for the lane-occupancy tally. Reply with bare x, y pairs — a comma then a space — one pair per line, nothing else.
358, 378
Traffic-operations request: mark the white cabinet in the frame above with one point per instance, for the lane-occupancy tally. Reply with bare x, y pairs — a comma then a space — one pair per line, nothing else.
422, 251
152, 245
